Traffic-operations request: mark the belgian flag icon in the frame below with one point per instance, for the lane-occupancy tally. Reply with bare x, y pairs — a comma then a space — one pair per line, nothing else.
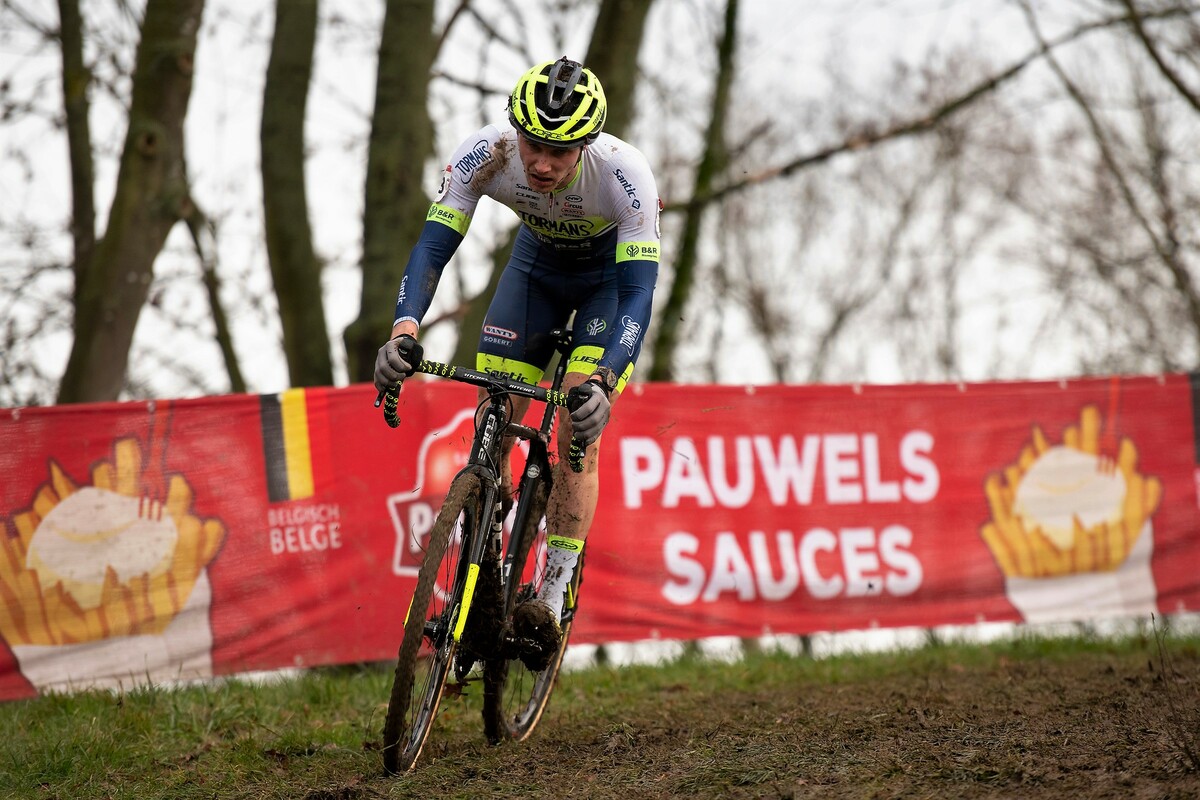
295, 436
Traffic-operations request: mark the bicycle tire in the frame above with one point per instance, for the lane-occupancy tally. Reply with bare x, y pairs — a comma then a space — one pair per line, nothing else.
420, 679
514, 698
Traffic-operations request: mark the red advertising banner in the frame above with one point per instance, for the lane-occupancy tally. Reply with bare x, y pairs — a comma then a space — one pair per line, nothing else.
192, 538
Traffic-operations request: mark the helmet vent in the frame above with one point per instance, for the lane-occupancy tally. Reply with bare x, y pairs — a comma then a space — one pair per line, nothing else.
561, 82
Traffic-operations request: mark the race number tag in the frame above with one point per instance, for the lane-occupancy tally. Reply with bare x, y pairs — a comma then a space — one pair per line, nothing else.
445, 187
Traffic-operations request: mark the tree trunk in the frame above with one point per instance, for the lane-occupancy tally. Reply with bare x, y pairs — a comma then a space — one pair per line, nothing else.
151, 196
667, 338
294, 266
401, 141
612, 55
76, 78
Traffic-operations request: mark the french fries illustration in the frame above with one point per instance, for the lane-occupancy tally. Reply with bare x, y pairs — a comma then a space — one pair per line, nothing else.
1069, 508
98, 561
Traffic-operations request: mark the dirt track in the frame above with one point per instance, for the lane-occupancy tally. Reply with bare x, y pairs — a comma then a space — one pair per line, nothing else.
1101, 724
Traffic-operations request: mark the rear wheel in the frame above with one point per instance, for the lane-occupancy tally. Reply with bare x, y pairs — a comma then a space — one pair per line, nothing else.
514, 697
428, 648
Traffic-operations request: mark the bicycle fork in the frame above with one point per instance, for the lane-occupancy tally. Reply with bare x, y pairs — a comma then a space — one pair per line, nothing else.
477, 542
516, 543
483, 538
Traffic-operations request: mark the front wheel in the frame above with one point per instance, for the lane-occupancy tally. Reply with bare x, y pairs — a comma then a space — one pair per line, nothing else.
514, 697
428, 647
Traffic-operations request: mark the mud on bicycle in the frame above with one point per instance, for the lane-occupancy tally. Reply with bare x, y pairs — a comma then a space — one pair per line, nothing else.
464, 617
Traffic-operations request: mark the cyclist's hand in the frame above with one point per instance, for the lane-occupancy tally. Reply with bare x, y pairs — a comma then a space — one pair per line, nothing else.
590, 416
396, 361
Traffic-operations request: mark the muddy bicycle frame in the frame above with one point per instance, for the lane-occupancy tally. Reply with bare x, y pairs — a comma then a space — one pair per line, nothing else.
486, 453
481, 543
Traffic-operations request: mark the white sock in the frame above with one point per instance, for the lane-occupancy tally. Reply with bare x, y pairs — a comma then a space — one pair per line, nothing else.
562, 554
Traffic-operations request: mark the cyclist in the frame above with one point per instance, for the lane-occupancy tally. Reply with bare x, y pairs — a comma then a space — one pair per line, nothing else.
588, 245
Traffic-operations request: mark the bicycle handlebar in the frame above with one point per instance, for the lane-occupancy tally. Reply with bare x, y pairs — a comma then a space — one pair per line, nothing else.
391, 397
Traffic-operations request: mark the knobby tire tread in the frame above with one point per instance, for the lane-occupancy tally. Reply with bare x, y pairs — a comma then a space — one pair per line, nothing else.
398, 758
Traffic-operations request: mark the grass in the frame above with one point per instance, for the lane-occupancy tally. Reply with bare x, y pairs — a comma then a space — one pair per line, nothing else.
222, 740
770, 725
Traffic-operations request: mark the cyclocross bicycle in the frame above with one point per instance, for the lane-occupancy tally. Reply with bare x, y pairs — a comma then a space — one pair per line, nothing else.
461, 617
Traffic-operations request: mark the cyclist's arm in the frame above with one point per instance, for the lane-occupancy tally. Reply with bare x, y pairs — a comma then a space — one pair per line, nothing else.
635, 292
446, 224
443, 232
636, 205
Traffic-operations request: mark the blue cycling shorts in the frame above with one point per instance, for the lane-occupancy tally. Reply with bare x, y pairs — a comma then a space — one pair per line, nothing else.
537, 293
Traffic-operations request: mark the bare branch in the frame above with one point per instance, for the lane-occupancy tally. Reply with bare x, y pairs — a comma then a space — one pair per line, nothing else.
203, 232
469, 84
491, 31
869, 136
1135, 22
1183, 279
45, 29
462, 6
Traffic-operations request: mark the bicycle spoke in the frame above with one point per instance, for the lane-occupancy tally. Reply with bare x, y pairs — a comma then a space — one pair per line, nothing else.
514, 696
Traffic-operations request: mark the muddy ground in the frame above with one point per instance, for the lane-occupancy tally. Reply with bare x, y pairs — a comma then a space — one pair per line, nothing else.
1086, 725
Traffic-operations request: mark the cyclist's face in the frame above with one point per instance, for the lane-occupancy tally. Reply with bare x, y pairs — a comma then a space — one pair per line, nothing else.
547, 169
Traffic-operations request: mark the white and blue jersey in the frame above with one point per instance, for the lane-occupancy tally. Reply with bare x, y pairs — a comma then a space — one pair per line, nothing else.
590, 248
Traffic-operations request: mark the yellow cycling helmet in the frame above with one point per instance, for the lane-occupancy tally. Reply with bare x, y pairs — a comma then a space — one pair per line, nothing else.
558, 103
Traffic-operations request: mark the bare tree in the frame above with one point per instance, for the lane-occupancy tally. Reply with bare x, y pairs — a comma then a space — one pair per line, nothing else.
294, 265
711, 162
948, 149
76, 80
1125, 265
613, 55
967, 218
151, 196
1155, 50
401, 141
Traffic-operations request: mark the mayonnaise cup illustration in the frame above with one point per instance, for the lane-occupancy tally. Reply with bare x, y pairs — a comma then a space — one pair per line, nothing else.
106, 585
1071, 527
